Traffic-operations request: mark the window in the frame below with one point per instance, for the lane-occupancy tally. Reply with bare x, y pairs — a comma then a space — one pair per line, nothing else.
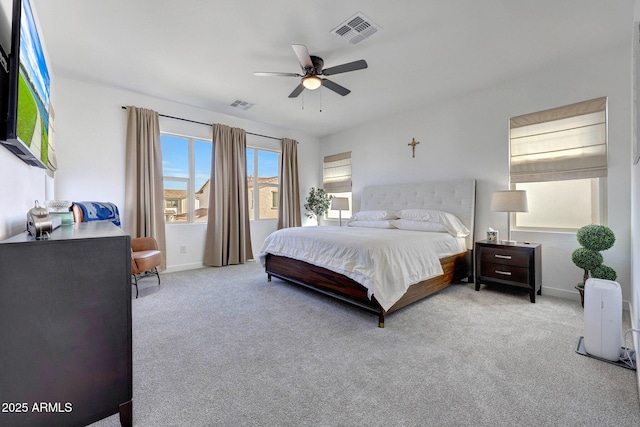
262, 174
186, 169
559, 157
336, 179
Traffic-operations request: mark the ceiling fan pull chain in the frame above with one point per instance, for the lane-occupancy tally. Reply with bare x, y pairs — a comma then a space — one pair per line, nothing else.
321, 102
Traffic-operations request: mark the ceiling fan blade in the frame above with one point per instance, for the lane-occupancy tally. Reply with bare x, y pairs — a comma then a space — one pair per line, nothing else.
340, 90
268, 73
302, 53
297, 91
351, 66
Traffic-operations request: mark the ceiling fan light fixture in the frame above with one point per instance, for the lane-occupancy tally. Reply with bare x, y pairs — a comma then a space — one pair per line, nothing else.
312, 82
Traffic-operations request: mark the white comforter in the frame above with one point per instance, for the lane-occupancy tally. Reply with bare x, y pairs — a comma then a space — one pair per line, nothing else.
385, 261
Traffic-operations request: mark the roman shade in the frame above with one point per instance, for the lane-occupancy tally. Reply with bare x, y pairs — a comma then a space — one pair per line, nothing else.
562, 143
337, 173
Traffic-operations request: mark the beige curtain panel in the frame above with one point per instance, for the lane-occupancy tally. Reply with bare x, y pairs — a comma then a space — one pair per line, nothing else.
144, 194
228, 240
337, 173
289, 190
563, 143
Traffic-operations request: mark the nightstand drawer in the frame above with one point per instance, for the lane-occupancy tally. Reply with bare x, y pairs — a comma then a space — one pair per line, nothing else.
505, 272
517, 265
506, 256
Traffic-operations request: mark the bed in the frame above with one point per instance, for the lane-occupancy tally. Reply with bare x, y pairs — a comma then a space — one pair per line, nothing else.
411, 276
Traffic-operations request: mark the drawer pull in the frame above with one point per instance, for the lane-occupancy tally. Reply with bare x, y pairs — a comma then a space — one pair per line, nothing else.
506, 273
503, 256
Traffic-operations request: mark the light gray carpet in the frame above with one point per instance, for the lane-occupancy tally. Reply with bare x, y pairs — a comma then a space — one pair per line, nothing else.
223, 347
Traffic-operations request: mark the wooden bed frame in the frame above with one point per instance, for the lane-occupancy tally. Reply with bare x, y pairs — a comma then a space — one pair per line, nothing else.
455, 268
457, 197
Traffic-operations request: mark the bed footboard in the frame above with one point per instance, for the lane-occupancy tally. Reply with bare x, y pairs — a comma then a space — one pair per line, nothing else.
456, 268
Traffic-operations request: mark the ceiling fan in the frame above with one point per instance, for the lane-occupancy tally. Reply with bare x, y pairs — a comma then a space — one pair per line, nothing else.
312, 69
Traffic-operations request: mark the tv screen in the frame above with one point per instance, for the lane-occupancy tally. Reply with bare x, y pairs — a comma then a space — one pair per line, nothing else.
28, 123
4, 91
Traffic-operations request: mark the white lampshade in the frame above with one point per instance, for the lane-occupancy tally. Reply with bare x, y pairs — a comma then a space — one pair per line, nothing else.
509, 201
312, 82
340, 204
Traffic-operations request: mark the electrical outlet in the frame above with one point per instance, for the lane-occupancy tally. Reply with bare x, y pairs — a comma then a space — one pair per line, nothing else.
183, 249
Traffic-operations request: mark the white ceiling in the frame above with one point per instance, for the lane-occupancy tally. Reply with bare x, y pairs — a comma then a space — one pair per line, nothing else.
203, 52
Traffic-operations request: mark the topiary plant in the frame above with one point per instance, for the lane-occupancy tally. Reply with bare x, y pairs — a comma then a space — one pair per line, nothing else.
318, 202
594, 239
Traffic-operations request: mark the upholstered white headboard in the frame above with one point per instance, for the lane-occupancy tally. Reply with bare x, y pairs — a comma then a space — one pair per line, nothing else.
455, 196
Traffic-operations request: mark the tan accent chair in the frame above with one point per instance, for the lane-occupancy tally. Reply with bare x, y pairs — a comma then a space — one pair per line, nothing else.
145, 259
145, 256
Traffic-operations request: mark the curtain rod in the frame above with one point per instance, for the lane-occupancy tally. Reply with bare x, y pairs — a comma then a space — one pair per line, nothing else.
208, 124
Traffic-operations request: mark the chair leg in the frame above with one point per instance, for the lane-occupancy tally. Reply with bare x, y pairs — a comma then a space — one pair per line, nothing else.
145, 274
135, 283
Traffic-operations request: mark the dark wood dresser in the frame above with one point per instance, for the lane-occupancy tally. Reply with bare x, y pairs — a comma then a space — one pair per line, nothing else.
65, 335
517, 265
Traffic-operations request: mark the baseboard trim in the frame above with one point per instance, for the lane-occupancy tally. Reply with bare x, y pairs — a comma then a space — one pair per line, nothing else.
574, 295
184, 267
561, 293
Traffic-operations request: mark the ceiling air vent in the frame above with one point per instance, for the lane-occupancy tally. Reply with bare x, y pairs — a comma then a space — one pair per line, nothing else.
243, 105
356, 29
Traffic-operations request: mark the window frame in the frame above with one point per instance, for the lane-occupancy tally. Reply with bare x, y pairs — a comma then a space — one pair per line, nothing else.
326, 164
602, 212
254, 199
601, 198
190, 179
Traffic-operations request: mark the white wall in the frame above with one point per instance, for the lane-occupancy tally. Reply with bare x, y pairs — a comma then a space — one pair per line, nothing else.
90, 135
21, 186
467, 137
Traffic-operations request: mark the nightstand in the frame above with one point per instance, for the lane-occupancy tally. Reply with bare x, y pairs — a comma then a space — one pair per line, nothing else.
517, 265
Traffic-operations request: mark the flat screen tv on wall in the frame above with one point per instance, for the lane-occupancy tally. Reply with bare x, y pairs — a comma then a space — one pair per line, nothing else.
27, 127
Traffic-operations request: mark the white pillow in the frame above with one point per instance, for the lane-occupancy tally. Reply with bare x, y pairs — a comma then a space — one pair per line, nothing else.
407, 224
454, 226
372, 215
371, 224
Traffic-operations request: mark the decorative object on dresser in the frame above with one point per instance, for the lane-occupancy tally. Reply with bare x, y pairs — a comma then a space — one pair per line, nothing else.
391, 240
515, 265
509, 201
340, 204
593, 238
95, 211
39, 224
318, 203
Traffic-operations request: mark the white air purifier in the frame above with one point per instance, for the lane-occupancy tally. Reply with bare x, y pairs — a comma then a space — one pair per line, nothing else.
603, 319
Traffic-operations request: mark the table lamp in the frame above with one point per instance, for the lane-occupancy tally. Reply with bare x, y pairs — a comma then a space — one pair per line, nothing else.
509, 201
340, 204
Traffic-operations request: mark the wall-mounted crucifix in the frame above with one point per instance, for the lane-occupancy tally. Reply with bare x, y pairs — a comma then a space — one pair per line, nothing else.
413, 144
